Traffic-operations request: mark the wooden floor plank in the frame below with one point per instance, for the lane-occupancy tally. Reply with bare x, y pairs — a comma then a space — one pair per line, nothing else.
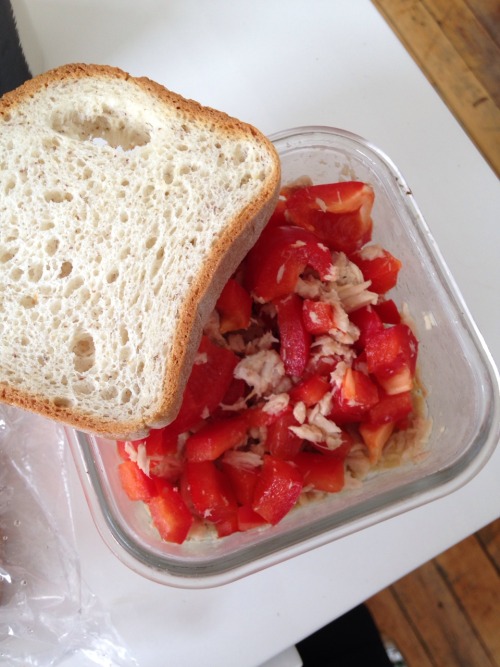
488, 14
489, 536
469, 100
445, 631
393, 624
472, 42
475, 583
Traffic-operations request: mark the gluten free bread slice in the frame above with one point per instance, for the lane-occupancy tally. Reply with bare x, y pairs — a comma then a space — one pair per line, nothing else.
124, 208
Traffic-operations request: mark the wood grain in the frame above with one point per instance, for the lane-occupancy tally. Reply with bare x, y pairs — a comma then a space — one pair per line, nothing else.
489, 538
471, 576
447, 613
456, 44
396, 626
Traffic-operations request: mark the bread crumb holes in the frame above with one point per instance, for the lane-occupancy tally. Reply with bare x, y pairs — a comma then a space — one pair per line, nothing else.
83, 350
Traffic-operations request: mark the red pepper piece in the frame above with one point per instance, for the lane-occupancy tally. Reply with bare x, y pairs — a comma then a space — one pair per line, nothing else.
136, 484
387, 311
391, 356
213, 439
161, 450
318, 316
280, 441
257, 416
323, 473
378, 266
295, 341
243, 481
234, 306
368, 322
207, 490
210, 378
391, 408
339, 214
170, 514
375, 437
323, 365
310, 390
340, 452
281, 254
228, 525
248, 519
277, 490
278, 218
357, 394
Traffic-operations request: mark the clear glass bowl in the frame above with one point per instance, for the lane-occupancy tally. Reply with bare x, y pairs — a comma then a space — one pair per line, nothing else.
457, 371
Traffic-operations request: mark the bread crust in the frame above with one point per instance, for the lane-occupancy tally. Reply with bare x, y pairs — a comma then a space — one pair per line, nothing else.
239, 236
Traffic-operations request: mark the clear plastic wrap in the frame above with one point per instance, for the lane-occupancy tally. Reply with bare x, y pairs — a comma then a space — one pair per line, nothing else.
48, 615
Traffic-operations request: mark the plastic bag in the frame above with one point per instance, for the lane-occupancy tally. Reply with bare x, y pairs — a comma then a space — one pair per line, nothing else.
47, 613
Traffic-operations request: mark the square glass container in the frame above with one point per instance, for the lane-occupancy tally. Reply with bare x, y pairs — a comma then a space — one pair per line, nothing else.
455, 367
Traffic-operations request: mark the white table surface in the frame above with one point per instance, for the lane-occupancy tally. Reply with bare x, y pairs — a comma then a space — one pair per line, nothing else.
279, 64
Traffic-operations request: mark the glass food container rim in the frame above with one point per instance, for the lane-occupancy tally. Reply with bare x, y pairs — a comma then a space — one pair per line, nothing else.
276, 548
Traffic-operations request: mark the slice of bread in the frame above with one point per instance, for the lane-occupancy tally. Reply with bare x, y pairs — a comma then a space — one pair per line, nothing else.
124, 208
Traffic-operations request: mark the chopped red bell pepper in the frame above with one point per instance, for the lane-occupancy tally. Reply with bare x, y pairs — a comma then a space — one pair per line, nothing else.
161, 451
356, 395
234, 306
280, 441
257, 416
368, 322
242, 479
213, 439
295, 341
281, 254
388, 311
228, 525
170, 514
277, 490
278, 218
391, 356
378, 266
310, 391
136, 484
346, 443
321, 365
375, 437
391, 408
339, 214
212, 369
207, 490
248, 519
323, 473
318, 316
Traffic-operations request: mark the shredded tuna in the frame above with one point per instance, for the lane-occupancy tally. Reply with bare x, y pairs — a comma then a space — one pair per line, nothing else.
357, 296
337, 375
245, 460
212, 329
321, 204
142, 458
348, 272
200, 358
322, 407
300, 412
370, 252
262, 371
276, 403
326, 346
